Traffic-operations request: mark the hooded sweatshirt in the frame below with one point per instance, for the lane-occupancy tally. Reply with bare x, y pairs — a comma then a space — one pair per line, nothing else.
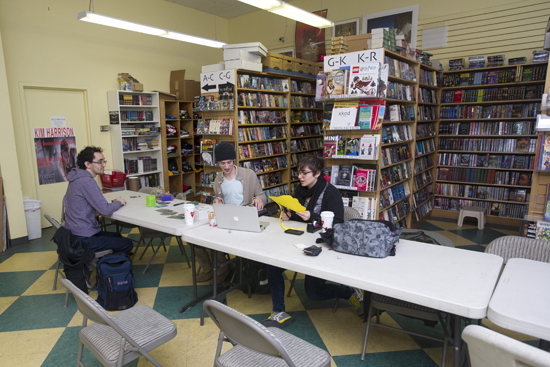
82, 199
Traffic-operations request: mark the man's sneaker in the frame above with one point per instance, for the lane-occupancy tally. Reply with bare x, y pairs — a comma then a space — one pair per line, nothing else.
356, 300
278, 320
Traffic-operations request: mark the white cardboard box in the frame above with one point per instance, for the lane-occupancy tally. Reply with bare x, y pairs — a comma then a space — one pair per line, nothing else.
253, 47
213, 67
243, 64
237, 54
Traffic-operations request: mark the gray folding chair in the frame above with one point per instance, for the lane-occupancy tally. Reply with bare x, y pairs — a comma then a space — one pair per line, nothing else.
487, 348
509, 247
58, 271
254, 344
119, 339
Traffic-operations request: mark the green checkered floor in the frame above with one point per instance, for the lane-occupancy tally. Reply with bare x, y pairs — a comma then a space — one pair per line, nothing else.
35, 329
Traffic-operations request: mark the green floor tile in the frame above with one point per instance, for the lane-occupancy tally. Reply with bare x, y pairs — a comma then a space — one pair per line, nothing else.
169, 301
38, 312
16, 283
175, 256
151, 278
427, 226
417, 326
481, 237
408, 358
310, 304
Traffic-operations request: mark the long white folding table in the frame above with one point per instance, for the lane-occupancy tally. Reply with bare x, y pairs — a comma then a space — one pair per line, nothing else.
452, 280
521, 301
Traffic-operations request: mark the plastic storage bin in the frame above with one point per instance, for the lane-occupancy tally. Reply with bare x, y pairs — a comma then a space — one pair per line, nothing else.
113, 179
33, 217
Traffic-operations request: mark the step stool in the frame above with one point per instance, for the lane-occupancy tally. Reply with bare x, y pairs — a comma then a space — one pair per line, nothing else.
475, 212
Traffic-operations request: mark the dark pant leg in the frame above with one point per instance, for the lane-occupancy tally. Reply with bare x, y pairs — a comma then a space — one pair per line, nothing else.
277, 287
102, 241
319, 290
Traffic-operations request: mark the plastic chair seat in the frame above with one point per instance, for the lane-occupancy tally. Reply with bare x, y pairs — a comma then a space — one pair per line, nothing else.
472, 212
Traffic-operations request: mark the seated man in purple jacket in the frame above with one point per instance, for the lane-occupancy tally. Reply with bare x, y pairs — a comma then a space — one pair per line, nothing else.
84, 201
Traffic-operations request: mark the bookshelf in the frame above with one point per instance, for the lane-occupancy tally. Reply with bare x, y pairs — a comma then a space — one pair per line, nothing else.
487, 143
179, 116
135, 135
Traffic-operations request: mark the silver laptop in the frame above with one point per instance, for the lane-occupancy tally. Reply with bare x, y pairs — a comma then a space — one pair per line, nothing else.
239, 218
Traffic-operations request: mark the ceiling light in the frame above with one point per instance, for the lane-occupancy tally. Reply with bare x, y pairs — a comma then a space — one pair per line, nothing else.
92, 17
290, 11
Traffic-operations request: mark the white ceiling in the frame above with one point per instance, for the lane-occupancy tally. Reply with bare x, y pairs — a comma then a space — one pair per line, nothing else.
222, 8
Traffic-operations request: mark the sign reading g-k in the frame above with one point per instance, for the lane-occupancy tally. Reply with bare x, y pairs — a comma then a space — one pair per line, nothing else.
335, 62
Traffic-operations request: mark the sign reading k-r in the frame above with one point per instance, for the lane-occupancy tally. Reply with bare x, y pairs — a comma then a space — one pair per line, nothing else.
335, 62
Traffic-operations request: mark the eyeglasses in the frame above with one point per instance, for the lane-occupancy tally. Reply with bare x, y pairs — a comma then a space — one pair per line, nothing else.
101, 162
304, 173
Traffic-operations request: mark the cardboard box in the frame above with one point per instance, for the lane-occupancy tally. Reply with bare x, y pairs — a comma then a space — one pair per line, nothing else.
253, 47
309, 68
288, 64
300, 66
244, 65
130, 83
273, 61
238, 54
185, 90
214, 67
358, 43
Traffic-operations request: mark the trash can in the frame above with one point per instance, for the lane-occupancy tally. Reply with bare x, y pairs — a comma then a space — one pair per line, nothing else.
32, 215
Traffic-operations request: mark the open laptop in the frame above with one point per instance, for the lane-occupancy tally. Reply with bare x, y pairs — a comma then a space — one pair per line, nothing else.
239, 218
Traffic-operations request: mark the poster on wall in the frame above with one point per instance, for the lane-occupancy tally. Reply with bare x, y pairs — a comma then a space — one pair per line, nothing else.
346, 28
55, 149
404, 20
310, 41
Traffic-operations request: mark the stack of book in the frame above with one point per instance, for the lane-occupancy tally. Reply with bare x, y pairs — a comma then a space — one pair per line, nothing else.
497, 60
339, 45
517, 61
456, 64
424, 58
540, 56
382, 37
476, 62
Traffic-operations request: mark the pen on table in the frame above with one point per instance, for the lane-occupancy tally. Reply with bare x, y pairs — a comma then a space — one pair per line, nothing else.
178, 204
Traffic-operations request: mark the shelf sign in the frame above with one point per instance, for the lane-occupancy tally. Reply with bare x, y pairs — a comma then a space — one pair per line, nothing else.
210, 82
335, 62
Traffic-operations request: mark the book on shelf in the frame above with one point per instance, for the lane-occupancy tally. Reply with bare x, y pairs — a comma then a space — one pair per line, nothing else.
366, 206
345, 174
344, 115
327, 115
378, 111
320, 90
207, 151
364, 119
364, 79
544, 154
352, 147
336, 83
543, 230
330, 143
369, 147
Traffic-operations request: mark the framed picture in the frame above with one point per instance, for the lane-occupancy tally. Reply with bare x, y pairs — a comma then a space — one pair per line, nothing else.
310, 41
404, 20
288, 52
348, 27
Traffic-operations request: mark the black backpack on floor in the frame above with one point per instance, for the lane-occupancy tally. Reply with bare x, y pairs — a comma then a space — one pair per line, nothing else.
255, 275
115, 282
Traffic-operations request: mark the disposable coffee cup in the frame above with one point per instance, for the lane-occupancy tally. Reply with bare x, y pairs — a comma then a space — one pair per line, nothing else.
133, 183
326, 220
151, 200
189, 210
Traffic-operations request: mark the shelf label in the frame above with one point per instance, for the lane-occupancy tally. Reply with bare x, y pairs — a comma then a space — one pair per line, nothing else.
211, 82
335, 62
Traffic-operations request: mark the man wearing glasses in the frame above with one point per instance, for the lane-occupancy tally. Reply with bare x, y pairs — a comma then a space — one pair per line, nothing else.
84, 201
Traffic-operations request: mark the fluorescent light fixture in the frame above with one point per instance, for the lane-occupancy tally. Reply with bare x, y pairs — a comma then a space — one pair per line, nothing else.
290, 11
92, 17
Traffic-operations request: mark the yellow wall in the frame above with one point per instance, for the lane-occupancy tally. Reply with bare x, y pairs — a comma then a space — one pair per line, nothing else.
43, 43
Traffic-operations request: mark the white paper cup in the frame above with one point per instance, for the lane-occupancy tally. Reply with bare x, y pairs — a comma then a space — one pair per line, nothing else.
326, 220
189, 210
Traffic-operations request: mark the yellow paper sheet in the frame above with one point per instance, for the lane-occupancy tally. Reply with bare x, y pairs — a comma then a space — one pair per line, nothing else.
289, 202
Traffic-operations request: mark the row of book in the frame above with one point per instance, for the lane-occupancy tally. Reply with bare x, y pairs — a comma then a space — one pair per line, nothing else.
396, 212
297, 86
494, 209
207, 179
306, 144
139, 129
366, 206
425, 130
488, 128
399, 112
261, 100
336, 146
395, 154
214, 127
534, 73
393, 194
480, 78
368, 79
396, 133
207, 148
266, 164
135, 100
270, 179
400, 91
542, 160
489, 144
423, 164
424, 147
152, 180
476, 62
493, 94
305, 130
262, 117
304, 102
305, 116
491, 112
482, 192
490, 176
222, 102
422, 179
262, 133
430, 78
136, 144
276, 191
263, 83
136, 116
427, 113
354, 115
486, 160
422, 195
262, 149
400, 69
421, 211
427, 95
352, 177
295, 157
394, 174
140, 165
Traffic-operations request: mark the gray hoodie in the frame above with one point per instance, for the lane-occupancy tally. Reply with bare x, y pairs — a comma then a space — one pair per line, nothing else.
82, 199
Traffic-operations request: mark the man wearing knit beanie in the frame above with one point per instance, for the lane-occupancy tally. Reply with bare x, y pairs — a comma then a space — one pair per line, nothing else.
234, 186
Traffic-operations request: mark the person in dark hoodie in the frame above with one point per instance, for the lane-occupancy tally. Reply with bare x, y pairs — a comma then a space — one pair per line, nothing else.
84, 201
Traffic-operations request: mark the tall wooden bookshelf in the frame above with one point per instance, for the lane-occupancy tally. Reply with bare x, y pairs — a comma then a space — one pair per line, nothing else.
486, 149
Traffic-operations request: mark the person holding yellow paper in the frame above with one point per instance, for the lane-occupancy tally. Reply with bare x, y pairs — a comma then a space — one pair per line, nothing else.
316, 195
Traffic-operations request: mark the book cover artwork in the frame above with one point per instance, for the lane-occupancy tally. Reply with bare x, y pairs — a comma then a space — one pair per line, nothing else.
363, 79
543, 230
336, 83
